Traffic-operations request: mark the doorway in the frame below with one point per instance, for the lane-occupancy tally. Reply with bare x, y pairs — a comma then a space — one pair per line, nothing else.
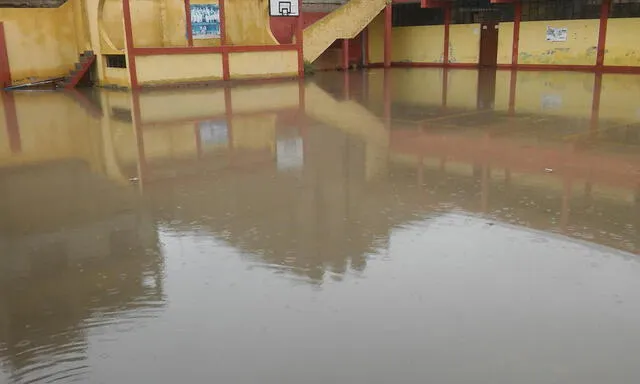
488, 44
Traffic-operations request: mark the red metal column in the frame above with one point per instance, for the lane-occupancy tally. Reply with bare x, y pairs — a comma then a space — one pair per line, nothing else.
447, 23
187, 13
226, 75
299, 40
387, 34
128, 31
602, 35
345, 54
517, 18
5, 69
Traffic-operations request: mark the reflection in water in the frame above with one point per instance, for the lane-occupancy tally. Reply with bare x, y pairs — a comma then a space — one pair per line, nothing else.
143, 236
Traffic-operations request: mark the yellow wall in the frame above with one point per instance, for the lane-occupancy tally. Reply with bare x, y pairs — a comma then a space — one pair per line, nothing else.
376, 40
178, 68
263, 64
42, 42
417, 44
464, 43
505, 43
622, 42
579, 49
247, 22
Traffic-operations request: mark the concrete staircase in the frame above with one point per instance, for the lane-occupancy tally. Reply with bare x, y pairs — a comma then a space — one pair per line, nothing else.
344, 23
82, 67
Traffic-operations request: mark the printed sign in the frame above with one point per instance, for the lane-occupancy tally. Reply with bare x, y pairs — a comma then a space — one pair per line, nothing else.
556, 34
205, 21
285, 8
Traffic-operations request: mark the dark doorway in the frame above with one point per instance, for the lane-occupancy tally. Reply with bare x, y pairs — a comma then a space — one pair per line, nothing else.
488, 44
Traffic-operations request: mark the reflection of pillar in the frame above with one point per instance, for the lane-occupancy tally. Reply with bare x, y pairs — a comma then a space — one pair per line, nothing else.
420, 171
228, 110
386, 92
445, 86
512, 91
566, 205
139, 132
11, 122
346, 84
196, 132
507, 177
302, 120
486, 178
387, 34
595, 105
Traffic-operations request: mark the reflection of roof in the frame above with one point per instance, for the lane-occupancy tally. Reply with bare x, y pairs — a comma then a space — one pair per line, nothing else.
31, 3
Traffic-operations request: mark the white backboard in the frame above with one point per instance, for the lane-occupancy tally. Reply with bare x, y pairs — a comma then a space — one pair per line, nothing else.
284, 8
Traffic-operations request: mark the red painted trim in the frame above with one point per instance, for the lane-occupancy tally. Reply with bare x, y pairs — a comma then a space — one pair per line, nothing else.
5, 68
595, 104
131, 51
602, 33
513, 83
387, 34
220, 49
620, 69
299, 42
187, 14
86, 66
516, 32
447, 24
11, 122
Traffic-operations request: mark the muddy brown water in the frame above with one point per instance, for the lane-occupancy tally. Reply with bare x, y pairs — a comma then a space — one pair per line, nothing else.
404, 226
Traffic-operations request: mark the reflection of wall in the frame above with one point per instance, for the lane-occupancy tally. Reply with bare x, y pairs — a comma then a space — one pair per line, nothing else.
72, 244
43, 42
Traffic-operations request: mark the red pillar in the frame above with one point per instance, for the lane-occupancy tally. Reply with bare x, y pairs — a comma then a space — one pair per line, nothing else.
5, 69
447, 23
223, 42
128, 31
187, 13
387, 35
299, 41
345, 54
517, 18
602, 35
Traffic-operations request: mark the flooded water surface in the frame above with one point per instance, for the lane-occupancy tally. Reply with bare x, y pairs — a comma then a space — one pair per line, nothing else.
372, 227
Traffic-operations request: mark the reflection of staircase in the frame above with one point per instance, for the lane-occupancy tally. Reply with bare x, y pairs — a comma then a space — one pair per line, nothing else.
344, 23
87, 58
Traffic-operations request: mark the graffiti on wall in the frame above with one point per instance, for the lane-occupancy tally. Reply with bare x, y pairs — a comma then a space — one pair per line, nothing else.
205, 21
556, 34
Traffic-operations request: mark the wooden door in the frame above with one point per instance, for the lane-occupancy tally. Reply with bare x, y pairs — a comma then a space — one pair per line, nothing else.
488, 44
5, 73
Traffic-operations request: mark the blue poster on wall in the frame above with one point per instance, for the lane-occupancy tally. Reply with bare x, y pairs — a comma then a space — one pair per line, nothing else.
205, 21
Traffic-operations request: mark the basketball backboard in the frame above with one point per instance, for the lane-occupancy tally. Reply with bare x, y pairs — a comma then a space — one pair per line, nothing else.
284, 8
